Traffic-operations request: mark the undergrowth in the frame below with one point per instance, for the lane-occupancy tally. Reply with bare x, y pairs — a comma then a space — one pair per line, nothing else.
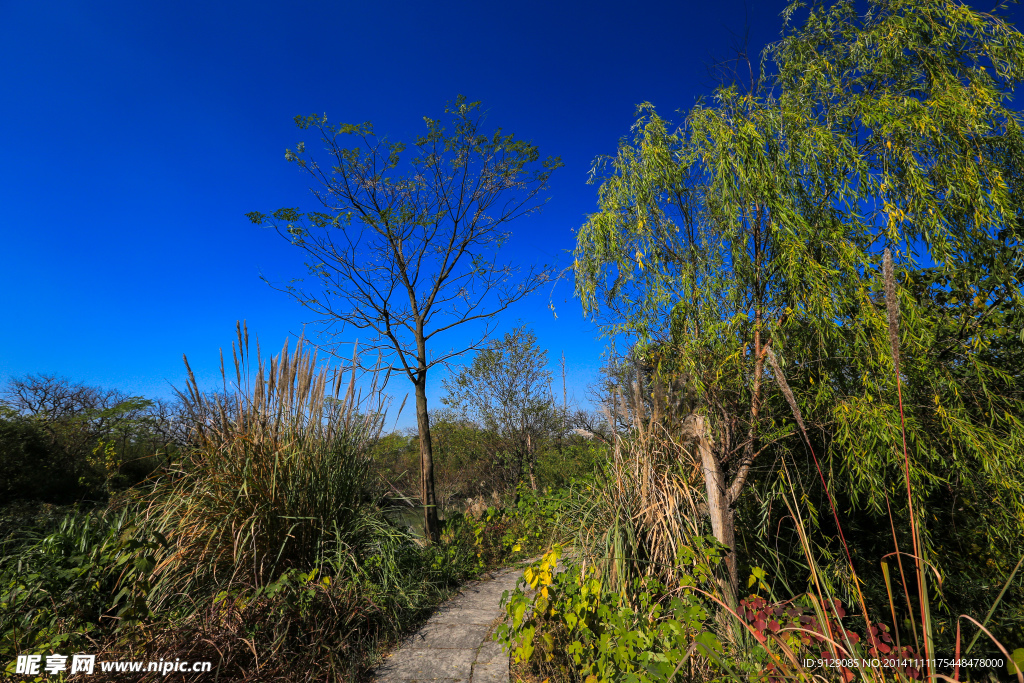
263, 550
642, 597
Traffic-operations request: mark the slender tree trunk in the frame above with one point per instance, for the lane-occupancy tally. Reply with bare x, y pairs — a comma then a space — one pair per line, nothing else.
722, 523
431, 527
533, 461
564, 418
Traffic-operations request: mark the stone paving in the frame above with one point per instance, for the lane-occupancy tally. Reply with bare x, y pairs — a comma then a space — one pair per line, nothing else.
455, 645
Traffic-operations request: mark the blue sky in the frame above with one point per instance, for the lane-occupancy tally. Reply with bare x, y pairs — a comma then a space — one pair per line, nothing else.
137, 135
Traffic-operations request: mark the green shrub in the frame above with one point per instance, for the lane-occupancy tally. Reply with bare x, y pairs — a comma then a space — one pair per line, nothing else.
30, 468
575, 460
89, 575
534, 519
570, 626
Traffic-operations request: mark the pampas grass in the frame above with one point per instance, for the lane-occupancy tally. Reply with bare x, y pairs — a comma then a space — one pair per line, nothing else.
279, 476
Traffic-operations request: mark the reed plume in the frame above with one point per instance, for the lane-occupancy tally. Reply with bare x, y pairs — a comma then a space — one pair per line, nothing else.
892, 307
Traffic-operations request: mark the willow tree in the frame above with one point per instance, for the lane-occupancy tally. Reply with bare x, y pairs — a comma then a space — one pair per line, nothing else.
754, 231
406, 247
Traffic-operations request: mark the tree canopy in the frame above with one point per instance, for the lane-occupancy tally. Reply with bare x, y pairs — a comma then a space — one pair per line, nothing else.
756, 228
507, 390
407, 245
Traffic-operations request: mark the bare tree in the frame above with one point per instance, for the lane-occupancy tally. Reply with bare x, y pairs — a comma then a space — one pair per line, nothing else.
407, 253
94, 439
72, 413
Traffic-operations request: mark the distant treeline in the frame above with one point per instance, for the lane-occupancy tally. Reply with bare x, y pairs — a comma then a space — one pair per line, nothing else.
63, 442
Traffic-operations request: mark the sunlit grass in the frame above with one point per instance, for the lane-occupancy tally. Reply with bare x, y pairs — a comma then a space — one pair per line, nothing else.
279, 478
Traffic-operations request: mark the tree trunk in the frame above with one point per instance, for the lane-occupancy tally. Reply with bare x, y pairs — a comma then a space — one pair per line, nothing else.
721, 511
533, 461
431, 527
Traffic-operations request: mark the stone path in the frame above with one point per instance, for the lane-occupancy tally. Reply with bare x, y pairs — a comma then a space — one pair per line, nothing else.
455, 644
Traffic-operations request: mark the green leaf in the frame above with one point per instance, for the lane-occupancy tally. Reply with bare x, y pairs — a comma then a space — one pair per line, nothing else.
1016, 662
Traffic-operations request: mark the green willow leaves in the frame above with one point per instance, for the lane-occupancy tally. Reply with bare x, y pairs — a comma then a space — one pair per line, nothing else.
760, 221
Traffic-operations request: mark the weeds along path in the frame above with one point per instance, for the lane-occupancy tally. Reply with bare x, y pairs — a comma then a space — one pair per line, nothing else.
455, 644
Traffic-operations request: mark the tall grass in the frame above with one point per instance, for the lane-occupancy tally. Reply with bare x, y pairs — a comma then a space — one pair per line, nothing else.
643, 506
635, 534
264, 549
638, 518
280, 564
278, 478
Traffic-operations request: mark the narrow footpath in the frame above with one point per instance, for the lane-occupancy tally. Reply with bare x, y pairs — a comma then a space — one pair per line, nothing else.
455, 644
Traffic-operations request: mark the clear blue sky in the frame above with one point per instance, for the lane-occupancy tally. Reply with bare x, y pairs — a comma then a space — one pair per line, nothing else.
137, 135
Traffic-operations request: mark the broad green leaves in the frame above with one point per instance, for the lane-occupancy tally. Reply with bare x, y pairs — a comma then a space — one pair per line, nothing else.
575, 619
